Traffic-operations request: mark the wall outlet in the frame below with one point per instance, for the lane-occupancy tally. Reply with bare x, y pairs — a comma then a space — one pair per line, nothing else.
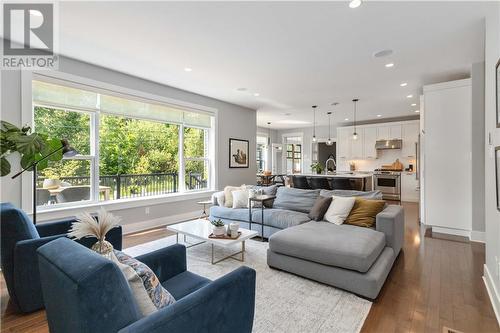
147, 210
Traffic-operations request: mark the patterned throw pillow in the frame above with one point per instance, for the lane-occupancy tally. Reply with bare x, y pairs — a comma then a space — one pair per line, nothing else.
146, 288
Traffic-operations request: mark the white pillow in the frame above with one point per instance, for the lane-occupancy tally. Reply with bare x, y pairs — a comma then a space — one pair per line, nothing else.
339, 209
228, 196
240, 199
219, 198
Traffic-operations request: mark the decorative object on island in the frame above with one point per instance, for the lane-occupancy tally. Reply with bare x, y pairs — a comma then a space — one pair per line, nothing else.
314, 123
35, 149
87, 225
497, 76
497, 174
355, 134
317, 167
218, 227
238, 153
329, 142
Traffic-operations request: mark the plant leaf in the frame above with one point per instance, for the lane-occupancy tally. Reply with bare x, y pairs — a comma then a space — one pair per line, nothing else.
30, 144
8, 127
4, 166
53, 145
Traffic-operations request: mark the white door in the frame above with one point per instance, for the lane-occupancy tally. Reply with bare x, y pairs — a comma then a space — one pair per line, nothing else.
394, 132
448, 169
409, 187
343, 144
383, 133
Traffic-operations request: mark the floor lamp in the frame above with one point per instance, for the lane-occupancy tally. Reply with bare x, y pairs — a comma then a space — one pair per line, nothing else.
67, 151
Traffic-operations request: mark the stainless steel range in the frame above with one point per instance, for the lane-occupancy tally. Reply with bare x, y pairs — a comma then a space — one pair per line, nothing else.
389, 183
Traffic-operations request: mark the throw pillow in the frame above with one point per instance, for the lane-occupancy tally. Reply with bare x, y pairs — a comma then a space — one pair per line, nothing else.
219, 198
339, 209
364, 212
146, 288
229, 196
240, 198
319, 208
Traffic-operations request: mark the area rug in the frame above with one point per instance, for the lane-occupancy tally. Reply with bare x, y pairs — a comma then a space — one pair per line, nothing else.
284, 302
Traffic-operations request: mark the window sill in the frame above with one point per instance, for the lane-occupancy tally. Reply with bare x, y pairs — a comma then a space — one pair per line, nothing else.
48, 213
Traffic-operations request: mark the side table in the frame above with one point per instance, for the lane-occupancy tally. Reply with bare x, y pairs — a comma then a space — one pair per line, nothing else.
262, 199
204, 214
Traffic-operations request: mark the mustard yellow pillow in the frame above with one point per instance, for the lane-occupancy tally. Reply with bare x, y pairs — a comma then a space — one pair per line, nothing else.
364, 211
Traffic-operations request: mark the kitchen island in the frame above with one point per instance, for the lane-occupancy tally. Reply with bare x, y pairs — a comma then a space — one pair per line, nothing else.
364, 179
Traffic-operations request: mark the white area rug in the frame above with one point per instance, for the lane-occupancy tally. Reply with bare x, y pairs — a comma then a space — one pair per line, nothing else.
284, 302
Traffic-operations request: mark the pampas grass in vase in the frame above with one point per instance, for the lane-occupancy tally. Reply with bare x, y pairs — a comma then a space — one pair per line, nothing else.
87, 226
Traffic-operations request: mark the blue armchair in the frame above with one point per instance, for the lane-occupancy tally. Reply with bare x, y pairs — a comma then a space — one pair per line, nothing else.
85, 292
20, 239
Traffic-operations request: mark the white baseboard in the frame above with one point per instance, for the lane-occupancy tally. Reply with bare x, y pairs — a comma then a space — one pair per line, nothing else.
478, 236
149, 224
451, 231
492, 292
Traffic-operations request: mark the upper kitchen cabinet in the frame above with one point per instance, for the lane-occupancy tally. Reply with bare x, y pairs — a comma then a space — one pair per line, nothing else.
389, 132
410, 139
343, 144
370, 137
357, 145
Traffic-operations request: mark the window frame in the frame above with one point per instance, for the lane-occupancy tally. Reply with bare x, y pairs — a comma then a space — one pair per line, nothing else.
74, 81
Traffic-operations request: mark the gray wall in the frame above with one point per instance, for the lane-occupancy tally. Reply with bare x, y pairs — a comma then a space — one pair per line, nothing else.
477, 147
492, 215
233, 122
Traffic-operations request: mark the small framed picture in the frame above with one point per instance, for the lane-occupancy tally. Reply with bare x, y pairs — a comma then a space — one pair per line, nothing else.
497, 79
238, 153
497, 174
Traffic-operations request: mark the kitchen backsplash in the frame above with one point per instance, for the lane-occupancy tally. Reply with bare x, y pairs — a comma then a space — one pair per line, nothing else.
384, 157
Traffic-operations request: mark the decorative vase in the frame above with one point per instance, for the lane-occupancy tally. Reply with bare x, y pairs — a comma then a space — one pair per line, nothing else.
51, 184
219, 231
104, 248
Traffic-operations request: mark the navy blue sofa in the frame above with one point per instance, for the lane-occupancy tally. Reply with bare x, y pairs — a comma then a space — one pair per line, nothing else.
85, 292
20, 239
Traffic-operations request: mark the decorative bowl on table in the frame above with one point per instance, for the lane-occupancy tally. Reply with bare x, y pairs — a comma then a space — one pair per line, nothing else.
51, 184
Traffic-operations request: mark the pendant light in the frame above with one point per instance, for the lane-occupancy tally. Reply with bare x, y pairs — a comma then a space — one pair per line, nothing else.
329, 142
355, 134
269, 135
314, 123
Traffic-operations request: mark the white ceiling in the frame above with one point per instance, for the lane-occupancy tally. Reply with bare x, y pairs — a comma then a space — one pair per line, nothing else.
295, 54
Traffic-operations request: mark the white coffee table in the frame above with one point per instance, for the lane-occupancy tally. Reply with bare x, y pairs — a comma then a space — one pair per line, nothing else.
201, 229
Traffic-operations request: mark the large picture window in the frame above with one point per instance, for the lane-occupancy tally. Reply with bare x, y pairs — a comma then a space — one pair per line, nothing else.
127, 147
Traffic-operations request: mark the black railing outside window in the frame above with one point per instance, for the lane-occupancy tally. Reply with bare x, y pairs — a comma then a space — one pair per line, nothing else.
137, 185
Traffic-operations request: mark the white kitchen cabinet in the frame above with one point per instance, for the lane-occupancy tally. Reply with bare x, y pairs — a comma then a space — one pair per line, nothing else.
409, 187
394, 132
343, 144
410, 138
357, 145
383, 133
369, 139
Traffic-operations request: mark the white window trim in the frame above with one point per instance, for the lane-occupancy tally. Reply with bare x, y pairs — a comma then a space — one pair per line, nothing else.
27, 117
283, 141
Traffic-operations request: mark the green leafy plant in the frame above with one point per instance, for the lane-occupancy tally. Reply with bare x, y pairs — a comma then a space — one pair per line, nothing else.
30, 145
217, 223
317, 167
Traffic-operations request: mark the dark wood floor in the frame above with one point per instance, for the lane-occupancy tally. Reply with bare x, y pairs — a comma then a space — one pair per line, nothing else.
435, 283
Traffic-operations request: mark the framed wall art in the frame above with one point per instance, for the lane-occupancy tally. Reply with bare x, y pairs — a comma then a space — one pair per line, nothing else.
238, 153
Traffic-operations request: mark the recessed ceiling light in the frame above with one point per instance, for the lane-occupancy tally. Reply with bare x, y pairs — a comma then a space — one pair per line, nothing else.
383, 53
256, 94
241, 89
288, 114
404, 84
409, 96
355, 3
417, 111
188, 69
346, 119
389, 65
379, 115
414, 104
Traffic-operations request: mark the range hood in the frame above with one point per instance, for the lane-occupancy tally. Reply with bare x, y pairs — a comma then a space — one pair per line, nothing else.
389, 144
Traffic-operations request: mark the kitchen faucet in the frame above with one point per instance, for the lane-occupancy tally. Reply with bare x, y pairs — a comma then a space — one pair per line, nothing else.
330, 159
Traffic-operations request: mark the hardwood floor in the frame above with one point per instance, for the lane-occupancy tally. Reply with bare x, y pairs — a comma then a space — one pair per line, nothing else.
435, 282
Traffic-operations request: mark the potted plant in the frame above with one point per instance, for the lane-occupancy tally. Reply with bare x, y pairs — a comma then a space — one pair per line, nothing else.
219, 228
317, 167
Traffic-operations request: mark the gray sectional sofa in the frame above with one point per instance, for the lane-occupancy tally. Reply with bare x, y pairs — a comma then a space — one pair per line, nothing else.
353, 258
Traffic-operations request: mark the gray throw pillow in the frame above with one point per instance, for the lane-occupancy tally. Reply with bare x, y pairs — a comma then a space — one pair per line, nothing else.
319, 208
